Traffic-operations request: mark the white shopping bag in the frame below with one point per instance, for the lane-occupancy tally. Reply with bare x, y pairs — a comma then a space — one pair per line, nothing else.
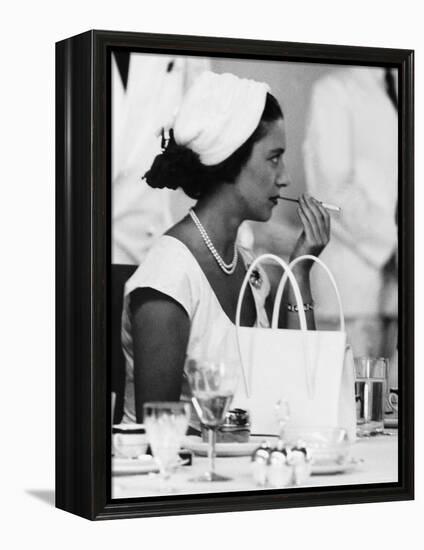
306, 368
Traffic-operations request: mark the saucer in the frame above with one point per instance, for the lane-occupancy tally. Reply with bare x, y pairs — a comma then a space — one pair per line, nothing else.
144, 464
344, 467
200, 447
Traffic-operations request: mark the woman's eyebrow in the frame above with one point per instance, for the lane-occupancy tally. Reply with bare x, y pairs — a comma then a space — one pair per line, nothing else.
279, 151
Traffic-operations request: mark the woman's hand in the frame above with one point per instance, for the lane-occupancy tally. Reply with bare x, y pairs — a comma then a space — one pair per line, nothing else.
316, 228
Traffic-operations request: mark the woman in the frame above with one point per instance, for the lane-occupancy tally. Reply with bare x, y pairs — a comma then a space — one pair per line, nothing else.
226, 150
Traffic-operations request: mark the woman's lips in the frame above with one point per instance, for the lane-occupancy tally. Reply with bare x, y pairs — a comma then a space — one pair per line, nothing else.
274, 199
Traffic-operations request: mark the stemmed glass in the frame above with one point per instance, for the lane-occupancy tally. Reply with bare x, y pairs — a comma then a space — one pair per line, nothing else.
213, 383
166, 424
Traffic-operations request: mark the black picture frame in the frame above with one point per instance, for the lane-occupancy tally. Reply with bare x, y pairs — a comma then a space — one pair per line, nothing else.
82, 275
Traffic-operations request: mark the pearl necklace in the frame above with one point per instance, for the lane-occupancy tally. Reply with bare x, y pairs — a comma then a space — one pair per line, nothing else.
228, 269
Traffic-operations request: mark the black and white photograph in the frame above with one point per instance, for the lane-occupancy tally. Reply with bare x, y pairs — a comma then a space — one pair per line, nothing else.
211, 237
253, 274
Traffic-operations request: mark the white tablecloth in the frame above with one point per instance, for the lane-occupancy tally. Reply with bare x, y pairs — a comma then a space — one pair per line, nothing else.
379, 455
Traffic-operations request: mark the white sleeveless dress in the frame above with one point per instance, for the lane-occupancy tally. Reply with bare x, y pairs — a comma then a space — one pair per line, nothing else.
171, 269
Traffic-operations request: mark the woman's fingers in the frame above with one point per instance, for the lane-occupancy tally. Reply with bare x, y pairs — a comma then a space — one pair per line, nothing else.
316, 227
317, 217
323, 218
307, 227
309, 221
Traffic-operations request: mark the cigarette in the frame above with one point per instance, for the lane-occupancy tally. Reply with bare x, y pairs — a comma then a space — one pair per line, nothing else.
326, 205
331, 207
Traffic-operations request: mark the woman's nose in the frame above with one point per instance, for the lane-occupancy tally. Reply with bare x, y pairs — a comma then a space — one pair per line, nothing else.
283, 178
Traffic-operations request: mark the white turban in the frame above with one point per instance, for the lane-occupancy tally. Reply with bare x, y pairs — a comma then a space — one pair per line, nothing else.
218, 114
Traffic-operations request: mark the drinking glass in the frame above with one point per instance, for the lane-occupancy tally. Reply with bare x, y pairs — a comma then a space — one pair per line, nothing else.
213, 383
166, 424
282, 413
370, 392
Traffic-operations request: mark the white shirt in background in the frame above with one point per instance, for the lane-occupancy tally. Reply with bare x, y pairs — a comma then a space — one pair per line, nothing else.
155, 87
351, 156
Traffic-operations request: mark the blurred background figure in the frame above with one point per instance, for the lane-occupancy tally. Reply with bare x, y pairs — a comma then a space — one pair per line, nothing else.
350, 155
146, 92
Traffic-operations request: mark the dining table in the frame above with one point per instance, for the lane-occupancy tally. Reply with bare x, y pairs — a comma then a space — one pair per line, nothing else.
374, 460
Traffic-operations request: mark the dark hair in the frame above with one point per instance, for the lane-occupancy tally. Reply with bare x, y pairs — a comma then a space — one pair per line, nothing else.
178, 166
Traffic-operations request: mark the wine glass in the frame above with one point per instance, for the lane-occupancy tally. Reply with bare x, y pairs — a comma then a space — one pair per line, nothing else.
213, 383
166, 423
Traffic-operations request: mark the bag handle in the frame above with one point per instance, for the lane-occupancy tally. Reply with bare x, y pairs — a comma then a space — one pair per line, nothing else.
287, 274
280, 290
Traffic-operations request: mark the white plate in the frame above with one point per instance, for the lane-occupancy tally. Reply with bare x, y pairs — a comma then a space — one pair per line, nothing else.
200, 448
334, 468
144, 464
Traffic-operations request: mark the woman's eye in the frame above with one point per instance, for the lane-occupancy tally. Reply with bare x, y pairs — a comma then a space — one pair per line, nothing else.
275, 160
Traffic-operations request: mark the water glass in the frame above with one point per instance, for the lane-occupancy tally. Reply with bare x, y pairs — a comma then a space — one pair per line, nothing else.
282, 413
166, 424
370, 394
